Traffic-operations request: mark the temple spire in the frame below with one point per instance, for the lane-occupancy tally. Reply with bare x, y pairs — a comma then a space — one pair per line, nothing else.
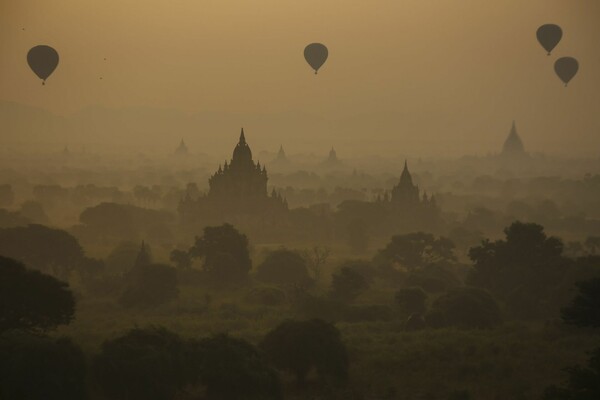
406, 173
513, 144
242, 137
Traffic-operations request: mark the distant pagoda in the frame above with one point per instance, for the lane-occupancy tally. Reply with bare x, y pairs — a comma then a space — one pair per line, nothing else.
332, 160
182, 149
281, 158
513, 146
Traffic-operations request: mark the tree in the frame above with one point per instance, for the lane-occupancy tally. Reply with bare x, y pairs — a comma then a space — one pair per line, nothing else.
233, 369
225, 253
411, 300
434, 278
362, 267
592, 244
299, 346
523, 269
583, 383
150, 285
124, 220
49, 250
283, 267
123, 257
584, 310
414, 250
181, 259
347, 284
35, 367
32, 301
466, 307
315, 259
151, 363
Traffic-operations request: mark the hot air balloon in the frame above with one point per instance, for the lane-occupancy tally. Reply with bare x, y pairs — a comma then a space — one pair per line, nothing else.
566, 68
549, 36
316, 55
43, 61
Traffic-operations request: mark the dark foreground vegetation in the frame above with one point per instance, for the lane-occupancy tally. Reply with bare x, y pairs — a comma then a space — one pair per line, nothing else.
217, 322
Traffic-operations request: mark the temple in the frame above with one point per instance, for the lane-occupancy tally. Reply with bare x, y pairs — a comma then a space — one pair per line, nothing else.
332, 160
513, 146
238, 188
281, 158
182, 149
241, 178
406, 194
405, 191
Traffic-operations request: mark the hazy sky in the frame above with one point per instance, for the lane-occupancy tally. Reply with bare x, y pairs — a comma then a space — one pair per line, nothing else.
437, 77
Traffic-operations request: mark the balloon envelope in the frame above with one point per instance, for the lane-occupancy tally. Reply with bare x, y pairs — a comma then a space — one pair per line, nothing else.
316, 55
42, 60
549, 36
566, 68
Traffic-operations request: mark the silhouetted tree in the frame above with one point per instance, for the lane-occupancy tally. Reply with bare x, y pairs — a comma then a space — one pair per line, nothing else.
362, 267
316, 259
233, 369
225, 253
181, 259
433, 278
32, 301
465, 308
583, 383
34, 367
522, 269
122, 258
584, 310
150, 285
411, 300
107, 219
347, 284
592, 244
283, 267
414, 250
49, 250
124, 221
299, 346
143, 364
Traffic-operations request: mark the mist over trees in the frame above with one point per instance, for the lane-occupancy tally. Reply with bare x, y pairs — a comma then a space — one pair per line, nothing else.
136, 277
